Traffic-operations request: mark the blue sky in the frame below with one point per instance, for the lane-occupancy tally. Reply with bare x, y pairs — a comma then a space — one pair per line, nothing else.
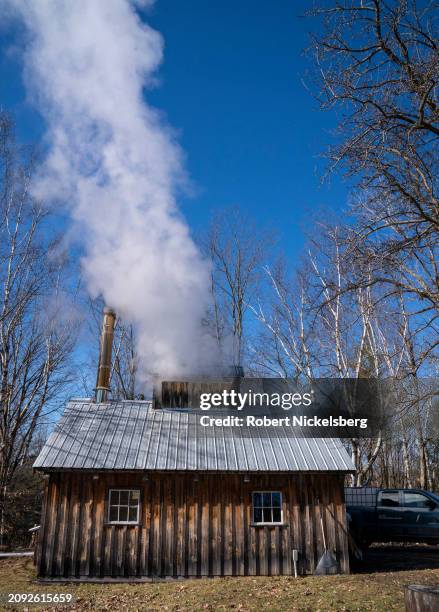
231, 85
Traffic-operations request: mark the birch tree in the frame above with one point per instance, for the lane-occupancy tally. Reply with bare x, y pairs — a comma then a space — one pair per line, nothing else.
315, 328
36, 324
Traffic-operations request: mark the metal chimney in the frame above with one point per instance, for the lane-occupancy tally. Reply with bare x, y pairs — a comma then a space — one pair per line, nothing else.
106, 346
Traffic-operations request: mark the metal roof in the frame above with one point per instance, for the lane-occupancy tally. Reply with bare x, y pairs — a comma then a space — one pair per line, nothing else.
134, 436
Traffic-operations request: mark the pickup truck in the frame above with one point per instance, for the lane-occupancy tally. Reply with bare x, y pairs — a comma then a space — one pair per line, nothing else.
392, 515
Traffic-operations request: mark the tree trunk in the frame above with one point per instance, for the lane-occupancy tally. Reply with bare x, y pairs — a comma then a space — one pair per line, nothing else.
406, 460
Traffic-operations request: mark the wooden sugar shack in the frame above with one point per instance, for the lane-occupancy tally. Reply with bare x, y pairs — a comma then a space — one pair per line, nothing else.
137, 492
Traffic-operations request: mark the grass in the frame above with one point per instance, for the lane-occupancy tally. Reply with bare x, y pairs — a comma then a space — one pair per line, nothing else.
378, 592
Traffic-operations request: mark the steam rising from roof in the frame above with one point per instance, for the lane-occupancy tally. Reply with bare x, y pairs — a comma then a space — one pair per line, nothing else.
117, 165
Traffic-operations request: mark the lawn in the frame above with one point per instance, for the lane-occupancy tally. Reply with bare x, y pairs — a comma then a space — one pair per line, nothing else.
380, 591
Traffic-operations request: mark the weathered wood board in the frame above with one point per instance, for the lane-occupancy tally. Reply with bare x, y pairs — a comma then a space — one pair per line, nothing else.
189, 525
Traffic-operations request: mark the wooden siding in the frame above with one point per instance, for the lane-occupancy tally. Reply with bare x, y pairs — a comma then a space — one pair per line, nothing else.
189, 526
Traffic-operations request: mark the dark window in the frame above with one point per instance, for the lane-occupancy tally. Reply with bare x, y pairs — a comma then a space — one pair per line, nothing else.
123, 506
416, 500
267, 507
390, 499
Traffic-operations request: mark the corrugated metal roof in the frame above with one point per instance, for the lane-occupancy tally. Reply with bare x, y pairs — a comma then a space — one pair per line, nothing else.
134, 436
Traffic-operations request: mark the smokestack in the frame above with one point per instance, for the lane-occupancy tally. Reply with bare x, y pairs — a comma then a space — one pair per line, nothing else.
104, 368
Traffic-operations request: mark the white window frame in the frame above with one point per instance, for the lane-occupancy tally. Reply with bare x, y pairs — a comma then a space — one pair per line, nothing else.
110, 505
274, 523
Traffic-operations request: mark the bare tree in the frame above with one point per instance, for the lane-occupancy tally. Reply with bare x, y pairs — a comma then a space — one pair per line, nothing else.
125, 363
287, 337
378, 65
237, 250
315, 328
36, 323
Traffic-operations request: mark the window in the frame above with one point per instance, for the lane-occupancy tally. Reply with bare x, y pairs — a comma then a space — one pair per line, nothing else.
123, 506
389, 499
267, 507
417, 500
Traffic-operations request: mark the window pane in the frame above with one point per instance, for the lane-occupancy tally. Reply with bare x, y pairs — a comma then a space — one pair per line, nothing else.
275, 497
416, 500
276, 515
113, 513
133, 514
390, 499
257, 515
266, 501
114, 498
124, 498
134, 497
267, 515
123, 513
257, 499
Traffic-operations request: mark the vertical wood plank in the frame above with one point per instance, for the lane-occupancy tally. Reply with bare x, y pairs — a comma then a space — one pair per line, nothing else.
258, 541
155, 527
309, 531
53, 520
329, 515
246, 528
295, 522
204, 527
253, 541
98, 526
175, 525
145, 529
315, 514
42, 536
239, 529
199, 514
64, 525
216, 528
340, 517
187, 496
150, 548
85, 530
192, 528
228, 529
131, 549
76, 543
209, 531
222, 541
120, 541
275, 551
69, 562
265, 550
110, 551
181, 526
168, 525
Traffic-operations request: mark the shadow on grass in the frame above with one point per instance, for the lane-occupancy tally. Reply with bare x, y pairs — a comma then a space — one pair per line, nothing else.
397, 558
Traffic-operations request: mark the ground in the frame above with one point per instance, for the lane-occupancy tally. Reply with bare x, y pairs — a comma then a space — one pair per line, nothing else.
368, 590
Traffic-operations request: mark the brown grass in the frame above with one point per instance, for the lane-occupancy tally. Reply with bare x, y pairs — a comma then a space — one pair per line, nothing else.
383, 591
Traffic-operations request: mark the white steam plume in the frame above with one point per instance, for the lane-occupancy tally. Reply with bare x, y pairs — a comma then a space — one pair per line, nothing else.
114, 161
